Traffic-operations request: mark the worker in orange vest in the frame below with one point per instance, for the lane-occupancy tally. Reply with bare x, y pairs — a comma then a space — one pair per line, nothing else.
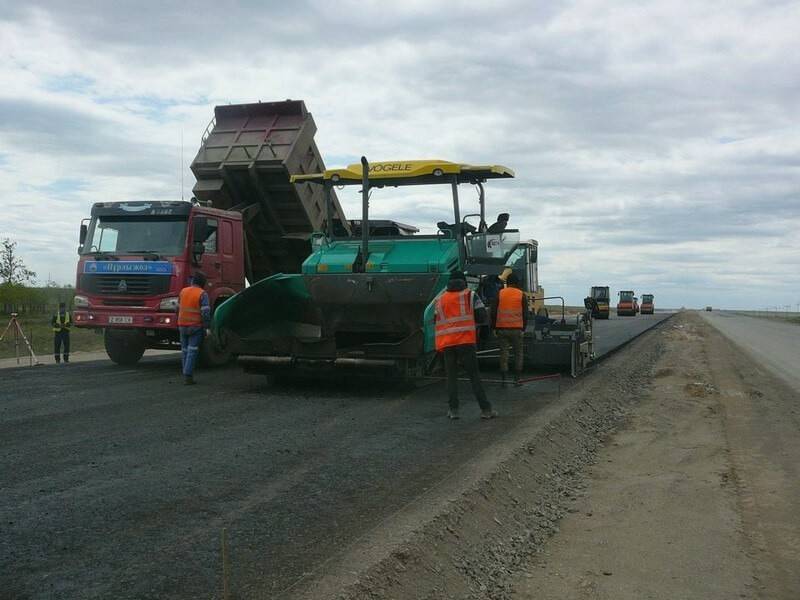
194, 316
458, 310
509, 320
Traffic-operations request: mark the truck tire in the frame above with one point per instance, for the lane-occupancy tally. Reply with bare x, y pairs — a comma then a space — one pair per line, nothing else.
124, 347
213, 353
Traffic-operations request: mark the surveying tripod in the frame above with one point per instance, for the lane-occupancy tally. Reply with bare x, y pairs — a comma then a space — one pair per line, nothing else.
14, 326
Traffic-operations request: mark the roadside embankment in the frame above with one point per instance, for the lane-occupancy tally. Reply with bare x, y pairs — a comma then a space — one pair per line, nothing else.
660, 518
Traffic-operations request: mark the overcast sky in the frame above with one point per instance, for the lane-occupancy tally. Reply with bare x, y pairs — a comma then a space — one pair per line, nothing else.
656, 145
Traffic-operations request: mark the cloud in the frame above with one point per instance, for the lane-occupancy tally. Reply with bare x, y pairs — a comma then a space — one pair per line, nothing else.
655, 144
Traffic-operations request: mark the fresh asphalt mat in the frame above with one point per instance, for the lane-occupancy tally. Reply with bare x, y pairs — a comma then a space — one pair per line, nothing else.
117, 482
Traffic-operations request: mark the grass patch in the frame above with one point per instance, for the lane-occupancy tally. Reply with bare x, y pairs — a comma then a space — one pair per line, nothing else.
38, 331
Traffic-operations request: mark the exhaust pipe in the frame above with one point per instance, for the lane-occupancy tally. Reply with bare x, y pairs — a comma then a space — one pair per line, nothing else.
364, 213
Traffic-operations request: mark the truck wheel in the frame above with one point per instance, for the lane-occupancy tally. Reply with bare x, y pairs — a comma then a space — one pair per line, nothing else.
213, 353
124, 347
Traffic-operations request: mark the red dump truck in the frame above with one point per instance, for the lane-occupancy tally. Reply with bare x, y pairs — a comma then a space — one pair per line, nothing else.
247, 220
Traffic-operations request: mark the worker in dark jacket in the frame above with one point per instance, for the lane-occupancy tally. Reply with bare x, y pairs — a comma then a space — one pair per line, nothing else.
61, 322
194, 317
500, 225
509, 320
458, 311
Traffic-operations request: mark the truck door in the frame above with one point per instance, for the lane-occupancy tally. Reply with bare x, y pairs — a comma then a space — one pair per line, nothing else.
210, 262
232, 273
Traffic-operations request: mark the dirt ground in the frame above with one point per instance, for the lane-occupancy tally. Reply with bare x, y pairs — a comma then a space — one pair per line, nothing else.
696, 497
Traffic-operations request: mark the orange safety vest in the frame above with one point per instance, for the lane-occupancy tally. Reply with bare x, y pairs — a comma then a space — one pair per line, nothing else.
509, 309
455, 319
189, 307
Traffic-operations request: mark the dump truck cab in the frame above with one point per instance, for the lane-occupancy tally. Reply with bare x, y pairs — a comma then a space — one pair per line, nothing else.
648, 306
601, 295
134, 259
626, 306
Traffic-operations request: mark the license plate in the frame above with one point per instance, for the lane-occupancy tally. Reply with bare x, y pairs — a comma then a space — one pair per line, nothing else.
120, 320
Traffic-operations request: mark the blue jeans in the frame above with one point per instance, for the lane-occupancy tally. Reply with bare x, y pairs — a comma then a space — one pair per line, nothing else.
191, 338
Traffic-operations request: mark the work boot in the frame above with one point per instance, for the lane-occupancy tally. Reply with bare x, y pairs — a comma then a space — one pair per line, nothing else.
488, 414
188, 380
517, 382
58, 359
66, 359
452, 414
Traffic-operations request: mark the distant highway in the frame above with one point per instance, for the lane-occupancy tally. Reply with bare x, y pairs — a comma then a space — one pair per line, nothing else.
774, 342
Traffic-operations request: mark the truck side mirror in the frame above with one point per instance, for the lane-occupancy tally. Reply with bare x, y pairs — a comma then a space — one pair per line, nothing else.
83, 233
199, 232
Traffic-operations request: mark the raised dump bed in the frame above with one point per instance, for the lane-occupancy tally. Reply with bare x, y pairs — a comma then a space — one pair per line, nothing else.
247, 156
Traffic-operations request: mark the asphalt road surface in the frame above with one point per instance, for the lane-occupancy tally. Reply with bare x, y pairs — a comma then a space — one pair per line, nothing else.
774, 343
116, 482
614, 332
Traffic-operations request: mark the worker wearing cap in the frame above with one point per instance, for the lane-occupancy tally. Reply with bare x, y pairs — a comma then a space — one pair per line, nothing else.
457, 312
194, 316
509, 320
61, 323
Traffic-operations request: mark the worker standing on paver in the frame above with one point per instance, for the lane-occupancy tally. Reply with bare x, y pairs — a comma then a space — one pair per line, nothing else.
61, 323
457, 312
194, 316
509, 320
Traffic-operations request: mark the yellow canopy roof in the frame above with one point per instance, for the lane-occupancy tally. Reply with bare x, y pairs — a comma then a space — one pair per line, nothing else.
408, 172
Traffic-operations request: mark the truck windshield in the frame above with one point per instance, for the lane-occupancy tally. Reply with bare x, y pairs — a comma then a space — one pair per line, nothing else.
647, 298
599, 293
626, 296
133, 235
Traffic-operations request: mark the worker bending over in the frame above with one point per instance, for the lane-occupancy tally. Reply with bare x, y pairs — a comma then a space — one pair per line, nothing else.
509, 320
194, 316
457, 313
61, 323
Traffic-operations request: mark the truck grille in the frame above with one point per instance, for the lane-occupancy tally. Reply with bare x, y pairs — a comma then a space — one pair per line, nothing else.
124, 285
122, 302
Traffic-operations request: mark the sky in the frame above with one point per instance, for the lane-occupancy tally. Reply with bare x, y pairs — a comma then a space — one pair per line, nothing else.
656, 145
